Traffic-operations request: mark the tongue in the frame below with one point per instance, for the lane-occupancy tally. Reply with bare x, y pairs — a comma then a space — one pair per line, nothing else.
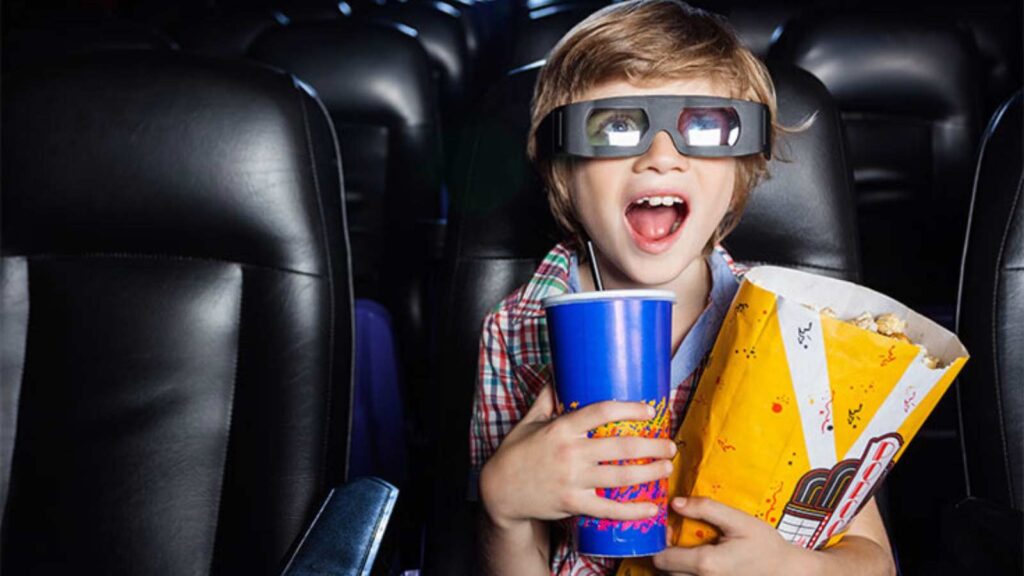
652, 223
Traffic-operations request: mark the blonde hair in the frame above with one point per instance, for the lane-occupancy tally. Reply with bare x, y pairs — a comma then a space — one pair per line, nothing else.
646, 42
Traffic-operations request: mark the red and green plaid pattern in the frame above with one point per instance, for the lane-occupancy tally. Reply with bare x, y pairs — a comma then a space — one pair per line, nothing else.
514, 366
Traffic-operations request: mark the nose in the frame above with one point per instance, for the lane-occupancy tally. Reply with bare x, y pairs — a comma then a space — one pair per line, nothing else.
662, 156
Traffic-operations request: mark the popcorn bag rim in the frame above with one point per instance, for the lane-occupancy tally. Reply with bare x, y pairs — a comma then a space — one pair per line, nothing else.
849, 299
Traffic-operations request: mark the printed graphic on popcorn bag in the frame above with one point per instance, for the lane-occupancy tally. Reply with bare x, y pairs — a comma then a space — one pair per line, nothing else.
801, 413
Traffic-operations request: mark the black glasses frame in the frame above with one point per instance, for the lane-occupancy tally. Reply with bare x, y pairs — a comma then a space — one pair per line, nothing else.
564, 130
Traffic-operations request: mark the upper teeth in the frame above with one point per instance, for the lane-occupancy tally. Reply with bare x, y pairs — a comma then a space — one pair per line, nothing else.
660, 200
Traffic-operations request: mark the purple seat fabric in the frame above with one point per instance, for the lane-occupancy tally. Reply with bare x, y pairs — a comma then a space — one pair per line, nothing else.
378, 415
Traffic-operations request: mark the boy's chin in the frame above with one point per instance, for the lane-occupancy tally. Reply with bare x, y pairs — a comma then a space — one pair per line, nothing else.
658, 271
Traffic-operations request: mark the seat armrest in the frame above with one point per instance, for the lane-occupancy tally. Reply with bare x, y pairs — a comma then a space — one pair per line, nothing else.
346, 533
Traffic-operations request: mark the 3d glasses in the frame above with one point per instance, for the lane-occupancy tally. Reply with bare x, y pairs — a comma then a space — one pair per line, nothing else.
700, 126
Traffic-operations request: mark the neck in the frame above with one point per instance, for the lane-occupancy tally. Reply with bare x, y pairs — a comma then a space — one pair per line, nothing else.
692, 288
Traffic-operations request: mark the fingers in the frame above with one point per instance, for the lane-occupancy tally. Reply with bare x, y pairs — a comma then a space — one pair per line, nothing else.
627, 448
676, 560
727, 519
610, 476
594, 415
600, 507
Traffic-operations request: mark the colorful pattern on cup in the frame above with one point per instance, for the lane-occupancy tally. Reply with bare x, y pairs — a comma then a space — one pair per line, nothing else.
656, 492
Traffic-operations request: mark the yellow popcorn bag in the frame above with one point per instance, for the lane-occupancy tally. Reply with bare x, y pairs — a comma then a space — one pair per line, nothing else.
799, 415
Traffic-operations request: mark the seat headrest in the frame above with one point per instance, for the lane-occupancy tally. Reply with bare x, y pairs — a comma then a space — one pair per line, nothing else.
183, 125
373, 72
885, 63
227, 34
542, 28
45, 40
442, 37
802, 217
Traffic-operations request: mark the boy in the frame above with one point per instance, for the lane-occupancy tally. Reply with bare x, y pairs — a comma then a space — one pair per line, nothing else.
655, 191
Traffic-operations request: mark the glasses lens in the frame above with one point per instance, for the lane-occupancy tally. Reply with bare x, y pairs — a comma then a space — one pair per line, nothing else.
709, 126
616, 126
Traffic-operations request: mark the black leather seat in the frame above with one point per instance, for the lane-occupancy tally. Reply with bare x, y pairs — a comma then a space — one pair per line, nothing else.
436, 25
439, 28
909, 96
40, 38
501, 227
539, 30
444, 39
997, 32
375, 82
756, 23
908, 91
547, 21
227, 33
986, 533
177, 327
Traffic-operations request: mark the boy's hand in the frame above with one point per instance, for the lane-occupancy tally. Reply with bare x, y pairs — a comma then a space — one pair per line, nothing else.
547, 468
747, 545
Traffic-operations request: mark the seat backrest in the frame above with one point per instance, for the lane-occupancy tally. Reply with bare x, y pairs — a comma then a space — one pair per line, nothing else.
907, 89
375, 82
500, 228
177, 329
443, 37
990, 317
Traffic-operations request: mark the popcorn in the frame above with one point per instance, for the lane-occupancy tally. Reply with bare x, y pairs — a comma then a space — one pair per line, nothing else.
890, 325
865, 322
798, 415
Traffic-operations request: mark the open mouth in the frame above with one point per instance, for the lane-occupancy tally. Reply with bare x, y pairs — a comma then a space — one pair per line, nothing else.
655, 219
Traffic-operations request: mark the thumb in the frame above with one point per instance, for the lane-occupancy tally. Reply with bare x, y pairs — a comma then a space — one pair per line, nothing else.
543, 407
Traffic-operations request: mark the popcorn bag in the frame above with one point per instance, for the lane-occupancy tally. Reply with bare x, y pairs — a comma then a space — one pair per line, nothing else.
799, 414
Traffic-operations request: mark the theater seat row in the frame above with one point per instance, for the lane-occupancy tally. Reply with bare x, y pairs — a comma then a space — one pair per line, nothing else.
395, 178
176, 324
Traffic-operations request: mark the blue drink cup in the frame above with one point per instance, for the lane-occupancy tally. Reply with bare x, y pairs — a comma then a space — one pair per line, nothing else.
616, 345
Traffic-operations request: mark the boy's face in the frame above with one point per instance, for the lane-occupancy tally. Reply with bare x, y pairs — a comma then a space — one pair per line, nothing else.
617, 199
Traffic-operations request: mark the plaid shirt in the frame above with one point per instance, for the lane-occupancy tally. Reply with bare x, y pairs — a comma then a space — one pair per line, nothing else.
514, 357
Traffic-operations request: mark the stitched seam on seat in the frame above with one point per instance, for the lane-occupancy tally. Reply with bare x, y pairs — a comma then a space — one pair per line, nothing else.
326, 445
170, 257
995, 350
231, 416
